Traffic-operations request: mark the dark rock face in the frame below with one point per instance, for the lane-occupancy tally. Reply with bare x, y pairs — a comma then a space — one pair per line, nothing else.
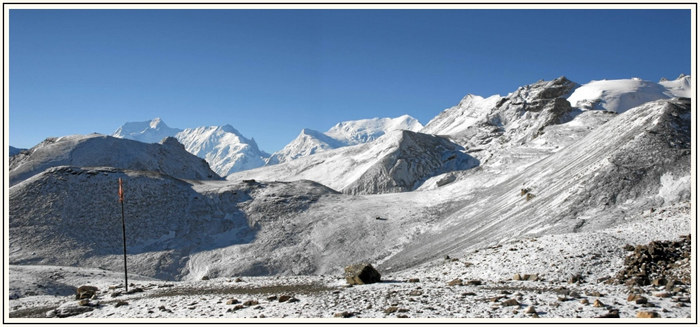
657, 263
362, 273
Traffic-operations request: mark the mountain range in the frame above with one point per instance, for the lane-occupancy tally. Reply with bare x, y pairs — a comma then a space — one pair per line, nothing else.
551, 157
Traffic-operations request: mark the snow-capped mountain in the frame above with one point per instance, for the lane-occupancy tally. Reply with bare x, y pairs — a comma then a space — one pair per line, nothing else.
623, 94
223, 147
305, 144
226, 150
345, 133
168, 157
396, 162
366, 130
485, 124
147, 131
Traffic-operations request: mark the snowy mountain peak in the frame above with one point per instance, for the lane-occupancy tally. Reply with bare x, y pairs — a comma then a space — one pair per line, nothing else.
621, 95
156, 122
152, 131
225, 149
365, 130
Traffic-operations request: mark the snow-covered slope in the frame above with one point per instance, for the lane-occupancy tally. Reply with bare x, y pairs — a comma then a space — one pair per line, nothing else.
636, 161
226, 150
342, 134
95, 150
623, 94
398, 161
147, 131
307, 143
680, 87
366, 130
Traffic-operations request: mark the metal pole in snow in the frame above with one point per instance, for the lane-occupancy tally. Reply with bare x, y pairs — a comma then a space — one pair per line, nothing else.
121, 200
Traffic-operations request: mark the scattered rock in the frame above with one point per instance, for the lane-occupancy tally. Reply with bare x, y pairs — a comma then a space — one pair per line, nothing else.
120, 303
455, 282
391, 309
510, 302
474, 282
232, 301
238, 307
535, 315
597, 303
594, 293
238, 280
250, 303
647, 314
292, 300
205, 277
530, 310
611, 314
414, 280
584, 302
272, 298
517, 277
344, 314
576, 278
85, 292
415, 293
362, 273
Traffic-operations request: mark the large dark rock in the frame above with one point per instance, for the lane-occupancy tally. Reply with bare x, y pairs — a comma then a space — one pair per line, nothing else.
361, 273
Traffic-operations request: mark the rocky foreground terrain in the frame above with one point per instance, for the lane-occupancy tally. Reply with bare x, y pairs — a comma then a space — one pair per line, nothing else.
639, 269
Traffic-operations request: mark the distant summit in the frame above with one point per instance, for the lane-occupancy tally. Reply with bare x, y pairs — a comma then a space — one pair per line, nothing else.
223, 147
345, 133
152, 131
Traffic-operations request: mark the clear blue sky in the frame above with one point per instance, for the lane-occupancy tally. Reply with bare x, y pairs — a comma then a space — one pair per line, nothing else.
270, 73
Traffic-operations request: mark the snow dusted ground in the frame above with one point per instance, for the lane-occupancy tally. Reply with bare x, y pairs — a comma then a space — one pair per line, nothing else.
595, 255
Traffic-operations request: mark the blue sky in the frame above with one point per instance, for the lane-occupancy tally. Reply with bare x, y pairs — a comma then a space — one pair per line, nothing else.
270, 73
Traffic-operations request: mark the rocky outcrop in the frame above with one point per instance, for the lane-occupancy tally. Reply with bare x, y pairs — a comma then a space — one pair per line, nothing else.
657, 263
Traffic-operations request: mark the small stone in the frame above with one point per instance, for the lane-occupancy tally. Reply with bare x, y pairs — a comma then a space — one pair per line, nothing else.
343, 314
611, 314
250, 303
530, 309
232, 301
414, 280
455, 282
272, 298
510, 302
474, 282
535, 315
238, 280
391, 309
115, 294
292, 300
238, 307
84, 302
284, 298
598, 303
640, 300
402, 316
205, 277
517, 277
403, 310
647, 314
415, 293
584, 302
120, 303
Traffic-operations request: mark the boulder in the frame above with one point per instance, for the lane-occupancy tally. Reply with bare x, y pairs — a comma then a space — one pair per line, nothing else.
362, 273
647, 314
